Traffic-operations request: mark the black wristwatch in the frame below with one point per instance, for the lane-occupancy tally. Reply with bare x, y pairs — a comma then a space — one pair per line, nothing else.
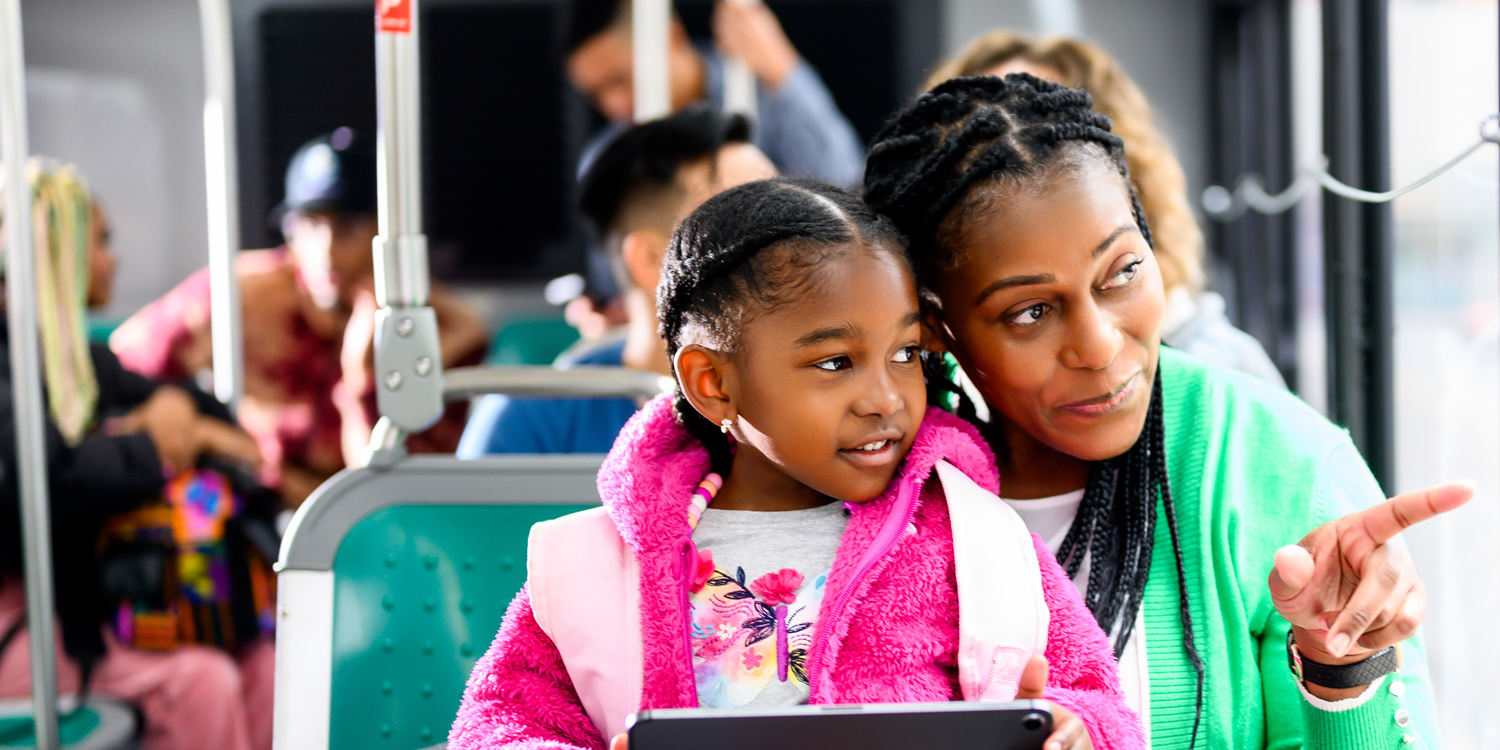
1358, 674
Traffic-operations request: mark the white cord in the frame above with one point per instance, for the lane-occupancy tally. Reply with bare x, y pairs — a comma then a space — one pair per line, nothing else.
1250, 191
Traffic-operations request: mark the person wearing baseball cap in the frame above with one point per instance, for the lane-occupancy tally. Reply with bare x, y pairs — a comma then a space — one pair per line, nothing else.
308, 321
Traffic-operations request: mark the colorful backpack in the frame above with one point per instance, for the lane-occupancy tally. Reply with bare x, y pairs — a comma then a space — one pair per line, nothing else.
190, 568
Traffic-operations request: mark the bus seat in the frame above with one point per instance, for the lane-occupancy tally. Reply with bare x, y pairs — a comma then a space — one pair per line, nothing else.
531, 341
393, 582
102, 724
394, 576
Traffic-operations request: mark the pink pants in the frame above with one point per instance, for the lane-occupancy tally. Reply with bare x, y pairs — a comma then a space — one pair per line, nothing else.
192, 697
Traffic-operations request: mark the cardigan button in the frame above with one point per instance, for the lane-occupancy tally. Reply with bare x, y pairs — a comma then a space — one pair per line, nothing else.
1397, 688
1407, 739
1402, 717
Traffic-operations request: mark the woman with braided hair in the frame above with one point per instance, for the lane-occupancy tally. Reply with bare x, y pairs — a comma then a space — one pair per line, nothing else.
113, 441
1194, 321
1165, 486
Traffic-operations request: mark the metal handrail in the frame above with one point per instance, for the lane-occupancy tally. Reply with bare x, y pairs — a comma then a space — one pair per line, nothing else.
221, 167
543, 381
26, 378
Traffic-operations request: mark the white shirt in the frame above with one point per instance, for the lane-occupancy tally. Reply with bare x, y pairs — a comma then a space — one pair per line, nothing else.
1051, 518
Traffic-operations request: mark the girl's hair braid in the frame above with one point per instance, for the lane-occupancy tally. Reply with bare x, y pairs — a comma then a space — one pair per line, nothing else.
927, 171
749, 249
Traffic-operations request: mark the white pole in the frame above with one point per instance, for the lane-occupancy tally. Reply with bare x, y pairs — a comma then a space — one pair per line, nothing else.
650, 21
739, 84
220, 161
26, 383
408, 362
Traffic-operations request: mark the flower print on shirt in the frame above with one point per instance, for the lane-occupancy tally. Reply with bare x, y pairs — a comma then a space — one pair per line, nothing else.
744, 643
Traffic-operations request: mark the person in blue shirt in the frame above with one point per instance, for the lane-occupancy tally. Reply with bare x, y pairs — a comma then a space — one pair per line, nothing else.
797, 125
641, 185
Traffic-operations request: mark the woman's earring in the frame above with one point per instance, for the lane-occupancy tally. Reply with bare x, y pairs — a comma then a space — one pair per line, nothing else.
724, 425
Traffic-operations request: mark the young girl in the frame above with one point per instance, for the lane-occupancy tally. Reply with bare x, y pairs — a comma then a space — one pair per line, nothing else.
788, 528
1168, 486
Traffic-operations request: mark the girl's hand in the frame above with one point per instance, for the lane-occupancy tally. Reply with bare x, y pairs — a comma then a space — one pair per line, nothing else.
1346, 592
1068, 731
620, 742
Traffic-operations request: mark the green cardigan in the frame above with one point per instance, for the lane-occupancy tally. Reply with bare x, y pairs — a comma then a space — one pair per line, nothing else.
1252, 469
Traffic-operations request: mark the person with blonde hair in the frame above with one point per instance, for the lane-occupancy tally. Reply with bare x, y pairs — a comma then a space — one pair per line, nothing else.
1195, 321
113, 440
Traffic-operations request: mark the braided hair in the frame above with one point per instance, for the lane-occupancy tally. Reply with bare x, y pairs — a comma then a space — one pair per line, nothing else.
747, 250
934, 166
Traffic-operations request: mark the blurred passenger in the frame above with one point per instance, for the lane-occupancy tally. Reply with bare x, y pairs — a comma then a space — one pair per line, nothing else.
798, 125
644, 182
1195, 321
309, 317
113, 439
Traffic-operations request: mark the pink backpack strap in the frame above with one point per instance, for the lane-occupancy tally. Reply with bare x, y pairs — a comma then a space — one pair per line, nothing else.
585, 595
1002, 613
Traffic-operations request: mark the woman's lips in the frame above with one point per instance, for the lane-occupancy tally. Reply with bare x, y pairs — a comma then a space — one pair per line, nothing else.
1106, 403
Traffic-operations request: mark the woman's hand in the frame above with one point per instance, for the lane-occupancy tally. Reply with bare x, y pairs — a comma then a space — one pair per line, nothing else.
620, 742
226, 440
750, 32
1346, 592
1068, 731
169, 418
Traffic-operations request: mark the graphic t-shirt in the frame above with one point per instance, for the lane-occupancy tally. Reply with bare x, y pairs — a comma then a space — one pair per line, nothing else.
755, 602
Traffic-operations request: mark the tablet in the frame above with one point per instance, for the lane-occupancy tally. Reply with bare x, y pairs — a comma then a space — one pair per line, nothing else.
1019, 725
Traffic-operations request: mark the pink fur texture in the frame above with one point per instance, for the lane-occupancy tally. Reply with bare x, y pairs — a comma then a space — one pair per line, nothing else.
896, 639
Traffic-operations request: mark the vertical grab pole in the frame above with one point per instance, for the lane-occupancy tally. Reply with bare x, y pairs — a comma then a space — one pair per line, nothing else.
408, 363
650, 24
26, 383
739, 84
222, 172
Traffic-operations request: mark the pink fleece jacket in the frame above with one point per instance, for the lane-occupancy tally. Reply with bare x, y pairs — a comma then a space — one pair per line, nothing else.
894, 641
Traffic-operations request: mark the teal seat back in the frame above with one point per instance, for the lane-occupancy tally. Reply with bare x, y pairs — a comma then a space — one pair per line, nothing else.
393, 582
419, 592
535, 341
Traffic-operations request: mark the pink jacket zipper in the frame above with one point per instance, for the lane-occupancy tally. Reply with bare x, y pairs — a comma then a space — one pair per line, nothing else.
884, 542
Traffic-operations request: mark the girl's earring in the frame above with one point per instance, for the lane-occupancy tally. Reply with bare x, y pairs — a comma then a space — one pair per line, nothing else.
724, 425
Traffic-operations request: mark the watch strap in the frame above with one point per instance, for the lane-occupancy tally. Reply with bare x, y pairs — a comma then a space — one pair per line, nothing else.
1358, 674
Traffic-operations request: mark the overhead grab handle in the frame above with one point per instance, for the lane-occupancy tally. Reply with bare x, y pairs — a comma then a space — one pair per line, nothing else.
222, 172
26, 379
1250, 190
408, 363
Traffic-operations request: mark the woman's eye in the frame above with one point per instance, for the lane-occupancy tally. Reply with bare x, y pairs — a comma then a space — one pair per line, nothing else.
1029, 316
835, 364
907, 355
1124, 275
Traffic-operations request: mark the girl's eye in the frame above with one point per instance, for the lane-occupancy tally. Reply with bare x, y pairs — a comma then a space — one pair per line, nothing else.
835, 364
1029, 316
907, 355
1124, 275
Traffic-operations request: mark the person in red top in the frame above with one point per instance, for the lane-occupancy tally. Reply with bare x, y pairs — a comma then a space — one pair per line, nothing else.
308, 322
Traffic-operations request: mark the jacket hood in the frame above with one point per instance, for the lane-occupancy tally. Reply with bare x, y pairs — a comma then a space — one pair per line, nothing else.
650, 473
